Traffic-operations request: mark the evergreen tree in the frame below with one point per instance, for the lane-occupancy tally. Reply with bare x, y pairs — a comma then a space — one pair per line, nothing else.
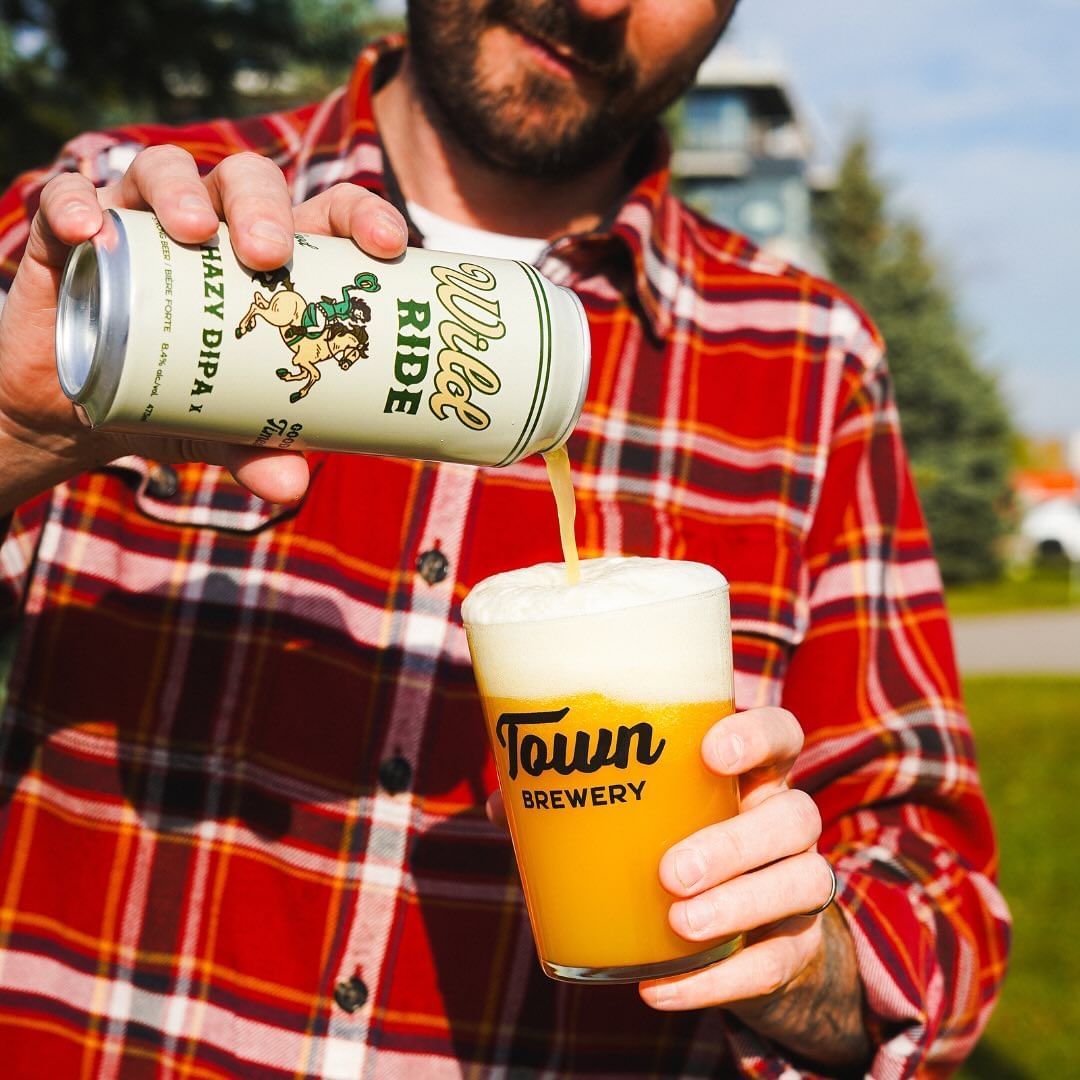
71, 65
955, 423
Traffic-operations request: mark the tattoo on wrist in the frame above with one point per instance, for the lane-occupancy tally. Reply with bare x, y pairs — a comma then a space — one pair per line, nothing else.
820, 1017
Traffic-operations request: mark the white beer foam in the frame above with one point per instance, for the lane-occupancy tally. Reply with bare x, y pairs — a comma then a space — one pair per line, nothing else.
542, 592
635, 629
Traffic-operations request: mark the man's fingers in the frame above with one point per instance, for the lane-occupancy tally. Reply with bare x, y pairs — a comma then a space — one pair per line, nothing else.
496, 809
166, 179
352, 211
789, 887
278, 476
759, 970
253, 197
786, 824
68, 214
755, 739
245, 190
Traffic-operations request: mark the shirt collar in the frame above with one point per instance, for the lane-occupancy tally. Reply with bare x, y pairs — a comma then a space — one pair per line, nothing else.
646, 226
649, 223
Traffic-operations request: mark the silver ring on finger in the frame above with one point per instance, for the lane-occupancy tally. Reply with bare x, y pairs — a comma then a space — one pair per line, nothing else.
832, 896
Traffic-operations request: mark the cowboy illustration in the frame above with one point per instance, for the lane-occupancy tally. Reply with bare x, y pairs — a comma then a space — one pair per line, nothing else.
320, 330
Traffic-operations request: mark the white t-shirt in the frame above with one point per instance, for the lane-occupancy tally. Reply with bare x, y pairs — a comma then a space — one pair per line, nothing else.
441, 234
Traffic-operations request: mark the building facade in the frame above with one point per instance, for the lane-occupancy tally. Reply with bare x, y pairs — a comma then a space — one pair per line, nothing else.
744, 155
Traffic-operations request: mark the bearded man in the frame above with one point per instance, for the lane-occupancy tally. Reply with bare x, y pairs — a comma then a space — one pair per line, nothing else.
244, 772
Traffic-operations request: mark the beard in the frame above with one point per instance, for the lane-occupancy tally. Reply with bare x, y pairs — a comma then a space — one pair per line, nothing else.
538, 124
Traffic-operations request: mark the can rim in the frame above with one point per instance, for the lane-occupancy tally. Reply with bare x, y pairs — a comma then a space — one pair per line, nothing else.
92, 318
586, 370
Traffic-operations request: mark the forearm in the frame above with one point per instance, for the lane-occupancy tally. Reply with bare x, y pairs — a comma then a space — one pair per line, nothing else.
819, 1015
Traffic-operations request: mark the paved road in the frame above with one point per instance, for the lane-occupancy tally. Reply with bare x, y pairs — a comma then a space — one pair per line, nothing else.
1046, 641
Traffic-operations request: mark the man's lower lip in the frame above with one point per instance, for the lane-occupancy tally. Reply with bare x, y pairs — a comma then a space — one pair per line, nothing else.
547, 57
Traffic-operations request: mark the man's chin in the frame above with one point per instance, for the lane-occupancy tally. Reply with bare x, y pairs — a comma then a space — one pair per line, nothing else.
531, 141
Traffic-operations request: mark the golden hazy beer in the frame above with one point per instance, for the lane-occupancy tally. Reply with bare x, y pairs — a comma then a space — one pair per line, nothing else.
596, 719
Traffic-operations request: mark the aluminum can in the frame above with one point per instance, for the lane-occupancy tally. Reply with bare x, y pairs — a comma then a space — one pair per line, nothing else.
431, 355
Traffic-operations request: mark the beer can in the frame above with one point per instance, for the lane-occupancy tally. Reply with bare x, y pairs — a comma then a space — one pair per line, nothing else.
431, 355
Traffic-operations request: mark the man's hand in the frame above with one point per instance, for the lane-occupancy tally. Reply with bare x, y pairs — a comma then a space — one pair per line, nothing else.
41, 438
758, 873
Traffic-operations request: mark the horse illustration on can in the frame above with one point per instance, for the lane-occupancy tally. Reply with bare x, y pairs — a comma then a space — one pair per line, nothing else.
314, 331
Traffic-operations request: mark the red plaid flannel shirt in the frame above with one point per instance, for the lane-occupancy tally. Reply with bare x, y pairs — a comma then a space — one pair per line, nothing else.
243, 765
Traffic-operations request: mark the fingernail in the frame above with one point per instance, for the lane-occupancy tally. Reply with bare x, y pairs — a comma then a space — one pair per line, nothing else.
268, 230
729, 749
698, 913
689, 866
387, 230
663, 996
194, 202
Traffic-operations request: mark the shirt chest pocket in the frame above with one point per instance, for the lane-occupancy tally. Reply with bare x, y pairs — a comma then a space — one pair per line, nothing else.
766, 573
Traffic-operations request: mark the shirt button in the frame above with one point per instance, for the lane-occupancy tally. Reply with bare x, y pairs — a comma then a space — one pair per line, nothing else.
163, 482
395, 774
432, 566
351, 994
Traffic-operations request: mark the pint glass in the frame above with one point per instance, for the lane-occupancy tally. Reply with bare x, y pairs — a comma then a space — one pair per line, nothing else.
596, 698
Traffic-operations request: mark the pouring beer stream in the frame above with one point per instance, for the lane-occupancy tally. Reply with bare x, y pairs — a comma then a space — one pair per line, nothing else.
562, 487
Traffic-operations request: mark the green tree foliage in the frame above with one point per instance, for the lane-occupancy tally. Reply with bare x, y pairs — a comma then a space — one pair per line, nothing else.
955, 423
74, 65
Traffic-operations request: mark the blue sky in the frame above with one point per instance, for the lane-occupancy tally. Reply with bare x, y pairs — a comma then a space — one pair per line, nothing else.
974, 106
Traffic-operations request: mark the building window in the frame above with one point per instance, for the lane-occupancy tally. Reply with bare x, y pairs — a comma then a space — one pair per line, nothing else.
716, 120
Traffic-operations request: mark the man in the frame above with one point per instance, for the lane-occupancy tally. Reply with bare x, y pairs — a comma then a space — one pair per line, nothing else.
244, 770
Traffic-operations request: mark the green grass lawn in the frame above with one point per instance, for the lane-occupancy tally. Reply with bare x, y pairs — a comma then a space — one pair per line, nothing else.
1046, 586
1025, 728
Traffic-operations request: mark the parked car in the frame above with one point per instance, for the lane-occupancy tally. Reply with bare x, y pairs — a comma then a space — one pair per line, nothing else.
1051, 529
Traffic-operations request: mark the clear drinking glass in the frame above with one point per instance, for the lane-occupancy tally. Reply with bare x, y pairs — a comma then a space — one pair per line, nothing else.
596, 721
